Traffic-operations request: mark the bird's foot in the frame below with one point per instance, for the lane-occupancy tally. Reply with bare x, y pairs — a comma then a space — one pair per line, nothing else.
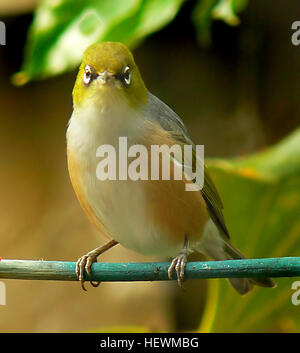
84, 263
179, 264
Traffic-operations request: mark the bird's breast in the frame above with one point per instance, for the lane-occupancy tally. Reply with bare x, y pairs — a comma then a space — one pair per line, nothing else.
149, 216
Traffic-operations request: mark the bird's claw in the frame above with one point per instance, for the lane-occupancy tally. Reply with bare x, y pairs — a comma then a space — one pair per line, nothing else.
84, 263
179, 264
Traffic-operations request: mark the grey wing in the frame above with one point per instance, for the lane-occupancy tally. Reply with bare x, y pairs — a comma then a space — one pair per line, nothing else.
170, 121
167, 118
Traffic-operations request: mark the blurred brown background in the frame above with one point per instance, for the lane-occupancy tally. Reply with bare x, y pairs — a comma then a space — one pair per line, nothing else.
237, 96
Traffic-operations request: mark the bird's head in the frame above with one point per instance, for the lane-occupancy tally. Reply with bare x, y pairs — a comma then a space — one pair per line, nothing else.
108, 75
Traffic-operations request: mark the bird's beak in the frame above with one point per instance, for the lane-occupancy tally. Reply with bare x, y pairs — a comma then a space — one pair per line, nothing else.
105, 76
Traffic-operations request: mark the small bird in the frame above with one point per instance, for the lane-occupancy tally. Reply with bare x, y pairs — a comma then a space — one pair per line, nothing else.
152, 217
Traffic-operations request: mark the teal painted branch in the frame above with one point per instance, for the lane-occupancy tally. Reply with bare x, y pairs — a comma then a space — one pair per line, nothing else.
151, 271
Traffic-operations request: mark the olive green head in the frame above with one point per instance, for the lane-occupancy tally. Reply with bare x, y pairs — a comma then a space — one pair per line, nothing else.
108, 74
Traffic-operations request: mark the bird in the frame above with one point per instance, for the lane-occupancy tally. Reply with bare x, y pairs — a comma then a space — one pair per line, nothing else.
152, 217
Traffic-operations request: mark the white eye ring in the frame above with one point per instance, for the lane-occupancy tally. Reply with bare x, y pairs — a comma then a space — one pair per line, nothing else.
88, 75
127, 75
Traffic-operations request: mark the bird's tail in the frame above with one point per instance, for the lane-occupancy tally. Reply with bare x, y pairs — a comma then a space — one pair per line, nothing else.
244, 285
219, 248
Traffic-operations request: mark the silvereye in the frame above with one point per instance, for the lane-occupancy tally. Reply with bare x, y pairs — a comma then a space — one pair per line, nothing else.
152, 217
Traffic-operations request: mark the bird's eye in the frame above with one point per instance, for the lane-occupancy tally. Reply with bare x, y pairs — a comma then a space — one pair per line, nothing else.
88, 75
127, 75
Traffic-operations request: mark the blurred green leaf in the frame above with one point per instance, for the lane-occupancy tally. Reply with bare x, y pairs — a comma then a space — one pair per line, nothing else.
152, 15
202, 18
62, 30
206, 11
261, 194
226, 10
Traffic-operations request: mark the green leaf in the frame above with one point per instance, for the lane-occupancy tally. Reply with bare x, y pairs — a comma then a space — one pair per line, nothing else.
261, 194
62, 30
208, 10
152, 16
202, 18
226, 10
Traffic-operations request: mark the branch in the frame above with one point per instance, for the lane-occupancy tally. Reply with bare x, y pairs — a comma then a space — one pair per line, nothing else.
151, 271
